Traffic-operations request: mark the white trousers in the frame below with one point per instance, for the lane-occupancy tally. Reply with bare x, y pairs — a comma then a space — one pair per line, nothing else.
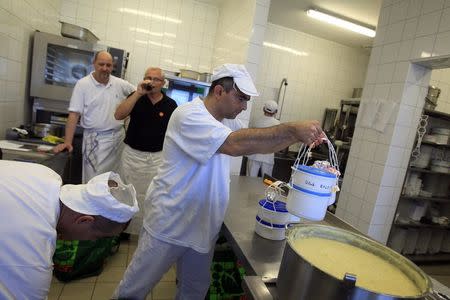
101, 152
153, 258
138, 168
253, 167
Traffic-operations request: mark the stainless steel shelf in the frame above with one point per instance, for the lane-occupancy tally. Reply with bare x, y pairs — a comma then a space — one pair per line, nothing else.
434, 199
426, 171
420, 225
187, 80
437, 114
443, 201
428, 257
436, 145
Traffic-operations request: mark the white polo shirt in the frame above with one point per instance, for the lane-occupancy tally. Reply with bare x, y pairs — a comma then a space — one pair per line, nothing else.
97, 102
186, 201
29, 210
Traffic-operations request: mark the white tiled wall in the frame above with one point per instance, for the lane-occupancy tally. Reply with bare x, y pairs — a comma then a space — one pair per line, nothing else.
239, 39
406, 30
441, 79
18, 20
171, 34
319, 73
233, 32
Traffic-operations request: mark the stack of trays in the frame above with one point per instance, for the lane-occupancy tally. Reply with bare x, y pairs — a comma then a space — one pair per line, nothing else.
441, 166
442, 135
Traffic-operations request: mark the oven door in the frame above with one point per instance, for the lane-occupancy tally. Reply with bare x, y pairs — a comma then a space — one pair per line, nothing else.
58, 63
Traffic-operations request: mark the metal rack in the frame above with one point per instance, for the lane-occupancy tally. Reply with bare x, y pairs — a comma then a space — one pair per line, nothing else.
344, 129
442, 202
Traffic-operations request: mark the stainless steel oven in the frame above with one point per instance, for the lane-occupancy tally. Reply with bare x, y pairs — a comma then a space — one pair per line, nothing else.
59, 62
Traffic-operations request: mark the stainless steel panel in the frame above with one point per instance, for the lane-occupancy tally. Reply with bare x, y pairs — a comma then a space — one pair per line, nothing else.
77, 32
57, 64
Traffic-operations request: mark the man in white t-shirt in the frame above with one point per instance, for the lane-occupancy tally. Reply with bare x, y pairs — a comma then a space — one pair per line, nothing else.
35, 209
94, 99
263, 161
186, 201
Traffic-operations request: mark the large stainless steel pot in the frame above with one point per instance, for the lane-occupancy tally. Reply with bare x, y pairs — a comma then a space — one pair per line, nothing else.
299, 279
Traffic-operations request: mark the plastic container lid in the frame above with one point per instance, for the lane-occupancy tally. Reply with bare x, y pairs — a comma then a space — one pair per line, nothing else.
314, 171
278, 206
280, 226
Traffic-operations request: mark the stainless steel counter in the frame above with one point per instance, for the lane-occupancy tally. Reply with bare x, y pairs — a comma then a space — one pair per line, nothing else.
261, 257
56, 162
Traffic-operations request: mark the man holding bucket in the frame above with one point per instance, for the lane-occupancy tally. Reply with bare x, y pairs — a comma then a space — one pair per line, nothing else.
186, 201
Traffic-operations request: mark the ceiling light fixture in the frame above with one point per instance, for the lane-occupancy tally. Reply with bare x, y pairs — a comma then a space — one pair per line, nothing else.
148, 15
337, 21
283, 48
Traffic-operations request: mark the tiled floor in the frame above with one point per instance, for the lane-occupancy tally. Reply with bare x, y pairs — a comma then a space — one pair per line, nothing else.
102, 286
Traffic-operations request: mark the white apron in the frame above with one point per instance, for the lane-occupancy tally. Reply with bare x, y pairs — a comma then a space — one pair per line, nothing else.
101, 151
138, 168
253, 167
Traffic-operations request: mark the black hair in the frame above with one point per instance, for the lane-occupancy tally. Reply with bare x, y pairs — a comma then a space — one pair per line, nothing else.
106, 225
225, 82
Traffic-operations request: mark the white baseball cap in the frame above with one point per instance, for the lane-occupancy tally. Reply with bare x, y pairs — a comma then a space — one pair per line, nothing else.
270, 106
240, 76
98, 198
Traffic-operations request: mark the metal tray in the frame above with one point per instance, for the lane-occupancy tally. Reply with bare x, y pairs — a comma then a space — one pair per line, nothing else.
77, 32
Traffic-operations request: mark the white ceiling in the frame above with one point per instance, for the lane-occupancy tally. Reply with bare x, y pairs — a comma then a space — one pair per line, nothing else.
292, 14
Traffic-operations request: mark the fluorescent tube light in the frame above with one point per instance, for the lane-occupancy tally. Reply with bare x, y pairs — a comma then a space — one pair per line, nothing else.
148, 15
313, 13
283, 48
142, 30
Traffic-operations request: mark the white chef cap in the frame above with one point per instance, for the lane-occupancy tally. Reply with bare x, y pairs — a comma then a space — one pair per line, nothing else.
240, 76
98, 198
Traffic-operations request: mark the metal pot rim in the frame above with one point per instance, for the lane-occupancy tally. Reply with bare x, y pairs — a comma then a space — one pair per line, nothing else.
401, 262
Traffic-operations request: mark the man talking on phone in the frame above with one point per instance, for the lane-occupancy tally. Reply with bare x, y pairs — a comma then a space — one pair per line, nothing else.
149, 110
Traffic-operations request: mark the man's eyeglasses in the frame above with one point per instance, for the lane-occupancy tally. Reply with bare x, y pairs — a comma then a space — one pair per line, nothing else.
240, 96
154, 79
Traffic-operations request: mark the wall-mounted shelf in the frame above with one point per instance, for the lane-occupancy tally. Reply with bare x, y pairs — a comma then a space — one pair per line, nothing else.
436, 145
428, 257
426, 171
434, 199
420, 225
187, 80
427, 237
437, 114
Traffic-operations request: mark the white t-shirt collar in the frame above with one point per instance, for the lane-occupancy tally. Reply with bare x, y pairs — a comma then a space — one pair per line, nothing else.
99, 83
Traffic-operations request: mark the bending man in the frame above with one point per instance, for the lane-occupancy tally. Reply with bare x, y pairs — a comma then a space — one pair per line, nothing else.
35, 209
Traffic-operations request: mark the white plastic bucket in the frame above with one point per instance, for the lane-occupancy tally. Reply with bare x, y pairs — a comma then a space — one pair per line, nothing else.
308, 204
270, 231
273, 212
313, 179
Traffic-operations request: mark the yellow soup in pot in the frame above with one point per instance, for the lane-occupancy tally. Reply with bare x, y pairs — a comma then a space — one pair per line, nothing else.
372, 272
